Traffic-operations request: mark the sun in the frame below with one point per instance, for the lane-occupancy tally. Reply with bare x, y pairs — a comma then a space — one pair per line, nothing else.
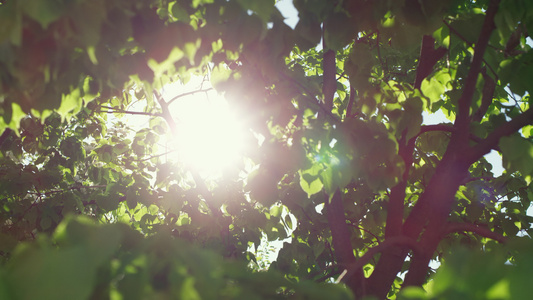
210, 135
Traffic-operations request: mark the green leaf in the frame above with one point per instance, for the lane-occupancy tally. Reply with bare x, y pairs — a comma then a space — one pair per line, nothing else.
309, 30
275, 211
339, 31
288, 221
70, 103
461, 275
517, 154
310, 181
15, 115
219, 76
188, 290
168, 63
91, 52
509, 227
311, 188
337, 174
107, 203
413, 292
433, 89
46, 266
179, 12
196, 3
442, 36
327, 179
43, 11
11, 23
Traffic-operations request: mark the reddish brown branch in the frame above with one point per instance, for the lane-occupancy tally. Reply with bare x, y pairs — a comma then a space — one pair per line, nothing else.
429, 56
491, 142
482, 231
310, 98
329, 81
454, 31
341, 238
464, 102
447, 128
4, 136
396, 204
340, 232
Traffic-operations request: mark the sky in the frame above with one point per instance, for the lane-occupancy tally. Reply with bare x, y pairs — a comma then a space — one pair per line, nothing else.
288, 11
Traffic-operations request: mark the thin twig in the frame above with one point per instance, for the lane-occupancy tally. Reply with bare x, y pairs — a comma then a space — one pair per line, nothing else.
188, 94
121, 111
68, 189
156, 155
367, 231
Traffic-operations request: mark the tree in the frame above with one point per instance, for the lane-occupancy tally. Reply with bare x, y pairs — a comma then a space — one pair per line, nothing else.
338, 104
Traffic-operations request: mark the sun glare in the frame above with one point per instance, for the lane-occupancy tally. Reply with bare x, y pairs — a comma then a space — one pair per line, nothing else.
210, 136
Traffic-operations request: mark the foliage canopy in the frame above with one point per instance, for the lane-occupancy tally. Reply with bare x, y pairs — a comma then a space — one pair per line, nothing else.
337, 156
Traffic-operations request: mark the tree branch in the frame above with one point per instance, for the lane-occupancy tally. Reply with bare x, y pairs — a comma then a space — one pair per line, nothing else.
155, 156
165, 113
491, 142
396, 203
393, 241
188, 94
471, 179
341, 238
329, 82
121, 111
311, 99
454, 31
464, 102
68, 189
429, 56
4, 136
448, 128
468, 227
339, 229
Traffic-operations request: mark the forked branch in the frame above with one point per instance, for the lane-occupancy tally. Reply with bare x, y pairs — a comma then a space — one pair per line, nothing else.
394, 241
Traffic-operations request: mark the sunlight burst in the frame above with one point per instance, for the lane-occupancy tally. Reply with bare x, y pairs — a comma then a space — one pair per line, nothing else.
210, 136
